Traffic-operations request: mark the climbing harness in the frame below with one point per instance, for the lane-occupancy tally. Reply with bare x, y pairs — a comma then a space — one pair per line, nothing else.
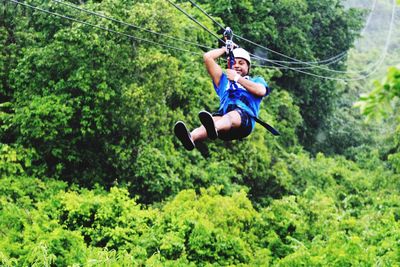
228, 36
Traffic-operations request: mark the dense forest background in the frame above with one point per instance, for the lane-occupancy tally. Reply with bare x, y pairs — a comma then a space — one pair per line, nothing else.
92, 175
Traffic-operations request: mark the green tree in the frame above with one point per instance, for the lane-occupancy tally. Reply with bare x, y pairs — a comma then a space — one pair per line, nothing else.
94, 101
99, 107
382, 103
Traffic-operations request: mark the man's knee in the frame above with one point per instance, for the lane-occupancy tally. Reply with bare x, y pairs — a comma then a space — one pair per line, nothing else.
234, 118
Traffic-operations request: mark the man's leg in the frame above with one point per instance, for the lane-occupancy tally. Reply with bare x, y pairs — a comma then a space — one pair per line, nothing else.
228, 121
200, 133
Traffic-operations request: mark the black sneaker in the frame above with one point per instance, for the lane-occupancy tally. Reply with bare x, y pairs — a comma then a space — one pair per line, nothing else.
208, 122
183, 135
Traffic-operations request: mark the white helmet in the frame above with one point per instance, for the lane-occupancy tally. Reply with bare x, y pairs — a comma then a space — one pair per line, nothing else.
240, 52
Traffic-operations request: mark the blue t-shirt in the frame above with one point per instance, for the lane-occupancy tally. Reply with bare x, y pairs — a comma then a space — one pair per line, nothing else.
239, 96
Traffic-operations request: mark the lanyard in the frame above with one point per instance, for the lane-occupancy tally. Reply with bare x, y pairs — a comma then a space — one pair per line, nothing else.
228, 35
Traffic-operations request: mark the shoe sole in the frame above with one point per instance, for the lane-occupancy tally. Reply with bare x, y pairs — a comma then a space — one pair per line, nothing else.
183, 135
208, 122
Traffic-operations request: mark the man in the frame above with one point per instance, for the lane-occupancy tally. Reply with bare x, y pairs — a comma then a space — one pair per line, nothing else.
240, 98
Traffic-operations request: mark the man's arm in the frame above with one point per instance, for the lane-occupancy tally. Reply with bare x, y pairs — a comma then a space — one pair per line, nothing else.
212, 67
257, 89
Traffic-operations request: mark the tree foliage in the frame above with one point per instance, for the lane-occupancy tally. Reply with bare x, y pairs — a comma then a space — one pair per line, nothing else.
90, 173
345, 131
335, 215
382, 103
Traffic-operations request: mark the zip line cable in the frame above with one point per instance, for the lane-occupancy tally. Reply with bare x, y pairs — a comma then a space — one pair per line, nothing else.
205, 13
102, 28
368, 74
189, 16
332, 59
239, 37
318, 67
369, 18
304, 72
195, 20
311, 65
195, 53
281, 66
337, 57
143, 29
295, 61
127, 24
374, 67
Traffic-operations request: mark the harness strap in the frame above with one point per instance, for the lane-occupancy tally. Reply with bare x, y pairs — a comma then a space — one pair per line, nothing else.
228, 34
264, 124
231, 61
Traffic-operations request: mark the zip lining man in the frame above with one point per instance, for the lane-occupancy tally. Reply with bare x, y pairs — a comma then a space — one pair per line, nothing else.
240, 97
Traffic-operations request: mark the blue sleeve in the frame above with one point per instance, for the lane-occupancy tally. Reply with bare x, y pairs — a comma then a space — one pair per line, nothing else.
222, 84
263, 82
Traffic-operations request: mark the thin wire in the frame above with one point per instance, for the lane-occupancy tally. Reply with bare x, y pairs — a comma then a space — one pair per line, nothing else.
310, 65
368, 74
137, 27
295, 61
129, 24
205, 13
195, 20
322, 62
375, 66
369, 17
191, 52
301, 62
308, 73
338, 58
332, 59
101, 27
335, 58
341, 55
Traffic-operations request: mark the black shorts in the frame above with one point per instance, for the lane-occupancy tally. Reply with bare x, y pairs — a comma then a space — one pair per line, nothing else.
245, 128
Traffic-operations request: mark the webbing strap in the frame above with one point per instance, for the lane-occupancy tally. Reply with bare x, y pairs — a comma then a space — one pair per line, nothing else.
264, 124
267, 126
231, 62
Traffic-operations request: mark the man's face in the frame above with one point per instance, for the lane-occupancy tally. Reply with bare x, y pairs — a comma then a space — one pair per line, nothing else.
241, 67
